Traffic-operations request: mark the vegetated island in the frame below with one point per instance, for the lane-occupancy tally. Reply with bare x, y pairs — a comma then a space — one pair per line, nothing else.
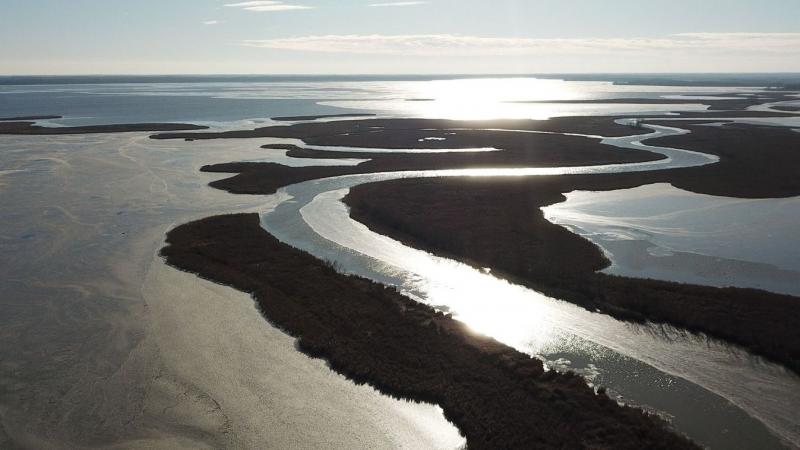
374, 132
789, 108
19, 118
30, 128
497, 396
498, 223
733, 101
322, 116
517, 149
731, 114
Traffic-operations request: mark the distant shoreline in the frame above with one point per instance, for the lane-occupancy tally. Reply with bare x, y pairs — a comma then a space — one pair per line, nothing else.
776, 80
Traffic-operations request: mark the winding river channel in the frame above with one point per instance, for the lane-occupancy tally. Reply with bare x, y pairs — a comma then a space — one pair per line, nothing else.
717, 394
105, 346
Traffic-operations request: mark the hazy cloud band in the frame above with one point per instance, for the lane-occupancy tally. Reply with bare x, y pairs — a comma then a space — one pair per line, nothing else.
266, 6
448, 44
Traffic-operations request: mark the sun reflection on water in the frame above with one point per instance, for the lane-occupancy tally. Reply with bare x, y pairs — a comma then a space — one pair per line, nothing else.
487, 98
482, 302
495, 98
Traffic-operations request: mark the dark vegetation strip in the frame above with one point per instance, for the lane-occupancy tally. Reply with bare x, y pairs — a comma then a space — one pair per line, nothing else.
18, 118
404, 133
497, 396
727, 114
31, 128
788, 108
517, 149
755, 161
322, 116
740, 102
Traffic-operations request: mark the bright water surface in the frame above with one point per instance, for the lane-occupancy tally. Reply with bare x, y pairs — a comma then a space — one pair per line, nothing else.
659, 231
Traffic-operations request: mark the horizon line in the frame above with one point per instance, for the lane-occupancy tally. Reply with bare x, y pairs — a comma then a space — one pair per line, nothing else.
339, 74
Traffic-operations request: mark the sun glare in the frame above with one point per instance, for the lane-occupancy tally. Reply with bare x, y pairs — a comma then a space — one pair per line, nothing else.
487, 98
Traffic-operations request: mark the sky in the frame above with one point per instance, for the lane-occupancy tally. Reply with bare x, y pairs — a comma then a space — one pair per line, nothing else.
397, 37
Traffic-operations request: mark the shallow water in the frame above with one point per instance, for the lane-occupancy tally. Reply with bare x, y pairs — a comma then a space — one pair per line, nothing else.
659, 231
102, 344
220, 102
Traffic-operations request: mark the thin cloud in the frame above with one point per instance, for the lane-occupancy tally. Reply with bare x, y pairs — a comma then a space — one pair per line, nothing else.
266, 6
210, 22
396, 4
448, 44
